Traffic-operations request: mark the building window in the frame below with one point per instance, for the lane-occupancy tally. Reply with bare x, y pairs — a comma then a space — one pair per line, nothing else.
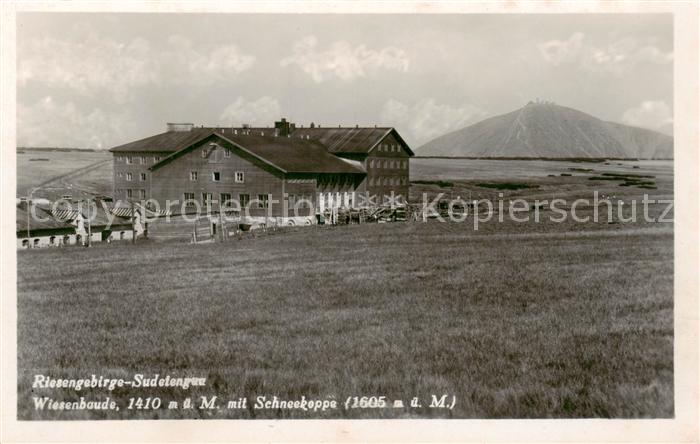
143, 160
36, 242
128, 177
143, 177
386, 164
371, 181
188, 196
193, 175
262, 200
244, 200
121, 235
240, 178
225, 198
129, 160
129, 194
206, 199
52, 240
227, 153
204, 153
216, 176
156, 159
120, 174
142, 194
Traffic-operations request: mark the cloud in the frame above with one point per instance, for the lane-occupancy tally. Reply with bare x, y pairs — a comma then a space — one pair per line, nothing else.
104, 67
220, 63
87, 66
48, 123
618, 58
260, 112
652, 114
426, 119
342, 60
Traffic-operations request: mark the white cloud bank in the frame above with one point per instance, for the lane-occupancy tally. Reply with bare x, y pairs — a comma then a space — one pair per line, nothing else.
261, 112
425, 119
617, 58
49, 123
342, 60
98, 66
652, 114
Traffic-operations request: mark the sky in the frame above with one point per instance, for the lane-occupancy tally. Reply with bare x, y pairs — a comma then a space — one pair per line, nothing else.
97, 80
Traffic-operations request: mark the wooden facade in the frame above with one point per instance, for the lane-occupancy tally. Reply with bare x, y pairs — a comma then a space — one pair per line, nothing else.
218, 167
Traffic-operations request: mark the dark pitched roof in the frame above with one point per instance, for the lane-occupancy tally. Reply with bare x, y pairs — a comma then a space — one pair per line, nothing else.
40, 220
167, 142
358, 140
344, 140
293, 155
287, 154
99, 218
335, 140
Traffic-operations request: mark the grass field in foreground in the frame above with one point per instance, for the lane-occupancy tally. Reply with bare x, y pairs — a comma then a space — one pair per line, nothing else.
514, 325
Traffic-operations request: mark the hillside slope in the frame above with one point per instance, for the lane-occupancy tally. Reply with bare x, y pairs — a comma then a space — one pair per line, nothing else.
548, 130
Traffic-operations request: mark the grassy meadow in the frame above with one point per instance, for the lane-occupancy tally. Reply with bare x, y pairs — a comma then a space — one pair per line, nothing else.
513, 325
516, 320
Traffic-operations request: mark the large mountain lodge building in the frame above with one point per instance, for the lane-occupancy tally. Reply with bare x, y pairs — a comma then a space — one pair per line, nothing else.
330, 167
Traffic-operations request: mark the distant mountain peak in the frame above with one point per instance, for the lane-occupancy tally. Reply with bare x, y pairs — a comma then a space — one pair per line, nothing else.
544, 129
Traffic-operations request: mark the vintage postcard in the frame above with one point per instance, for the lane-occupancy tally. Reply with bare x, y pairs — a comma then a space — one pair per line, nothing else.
350, 221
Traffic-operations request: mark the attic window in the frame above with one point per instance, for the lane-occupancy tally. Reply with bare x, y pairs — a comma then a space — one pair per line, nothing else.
239, 177
227, 153
204, 153
156, 159
216, 176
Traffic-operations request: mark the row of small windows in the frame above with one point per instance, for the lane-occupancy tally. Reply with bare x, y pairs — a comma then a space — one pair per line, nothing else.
65, 240
129, 176
387, 181
243, 199
389, 148
238, 176
141, 194
138, 159
388, 163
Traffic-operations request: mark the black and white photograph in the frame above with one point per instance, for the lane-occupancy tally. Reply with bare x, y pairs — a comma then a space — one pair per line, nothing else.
313, 212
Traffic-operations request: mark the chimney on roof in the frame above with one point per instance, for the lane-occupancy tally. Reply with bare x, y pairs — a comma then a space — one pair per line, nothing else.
285, 128
357, 126
312, 125
179, 127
